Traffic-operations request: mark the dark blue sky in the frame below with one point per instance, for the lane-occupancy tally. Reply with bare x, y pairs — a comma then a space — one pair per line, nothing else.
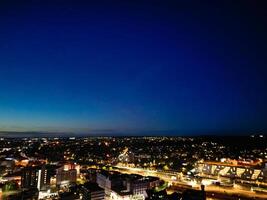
133, 67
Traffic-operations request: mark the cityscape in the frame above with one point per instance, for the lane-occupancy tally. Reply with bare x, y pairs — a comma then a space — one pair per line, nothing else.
133, 100
134, 168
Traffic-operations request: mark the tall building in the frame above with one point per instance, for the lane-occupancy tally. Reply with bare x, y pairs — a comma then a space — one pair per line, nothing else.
44, 176
29, 177
36, 177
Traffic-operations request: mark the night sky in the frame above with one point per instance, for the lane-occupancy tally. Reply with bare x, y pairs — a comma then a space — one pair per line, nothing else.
133, 67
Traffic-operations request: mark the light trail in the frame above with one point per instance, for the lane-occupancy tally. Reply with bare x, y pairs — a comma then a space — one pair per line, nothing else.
236, 190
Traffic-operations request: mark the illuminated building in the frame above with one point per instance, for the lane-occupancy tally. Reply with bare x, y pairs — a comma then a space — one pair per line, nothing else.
43, 182
125, 186
239, 170
66, 174
125, 196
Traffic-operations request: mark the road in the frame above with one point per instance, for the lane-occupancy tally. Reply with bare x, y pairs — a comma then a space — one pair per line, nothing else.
228, 191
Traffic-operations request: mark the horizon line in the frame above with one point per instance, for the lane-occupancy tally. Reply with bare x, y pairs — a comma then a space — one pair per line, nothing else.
62, 134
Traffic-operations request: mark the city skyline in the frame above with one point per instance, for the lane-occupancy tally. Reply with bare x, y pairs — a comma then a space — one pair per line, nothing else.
133, 68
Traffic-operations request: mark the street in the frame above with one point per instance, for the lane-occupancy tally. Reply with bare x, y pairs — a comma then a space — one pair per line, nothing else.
236, 190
